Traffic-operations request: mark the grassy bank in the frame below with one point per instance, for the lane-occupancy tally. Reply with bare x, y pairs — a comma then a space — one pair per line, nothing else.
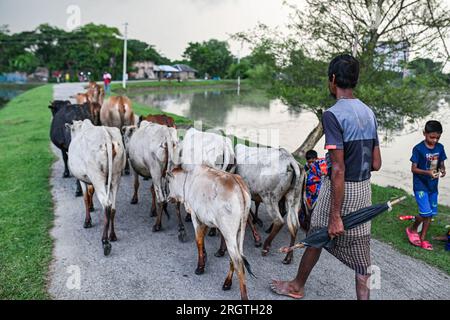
140, 86
390, 229
26, 213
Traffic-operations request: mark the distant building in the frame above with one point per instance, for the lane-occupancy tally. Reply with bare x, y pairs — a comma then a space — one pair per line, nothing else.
393, 57
144, 70
185, 72
166, 72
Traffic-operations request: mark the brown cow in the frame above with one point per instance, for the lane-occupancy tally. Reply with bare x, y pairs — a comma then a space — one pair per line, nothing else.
95, 92
117, 112
161, 119
81, 98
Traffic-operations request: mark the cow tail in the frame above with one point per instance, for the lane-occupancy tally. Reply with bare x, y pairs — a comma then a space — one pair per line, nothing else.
244, 216
170, 151
293, 198
109, 151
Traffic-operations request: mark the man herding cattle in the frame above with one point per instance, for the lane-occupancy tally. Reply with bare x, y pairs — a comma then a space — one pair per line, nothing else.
353, 152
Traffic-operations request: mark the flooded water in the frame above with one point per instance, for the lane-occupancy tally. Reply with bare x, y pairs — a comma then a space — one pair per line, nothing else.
8, 92
253, 116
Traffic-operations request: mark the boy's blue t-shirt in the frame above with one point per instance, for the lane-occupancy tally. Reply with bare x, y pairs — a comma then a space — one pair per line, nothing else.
427, 159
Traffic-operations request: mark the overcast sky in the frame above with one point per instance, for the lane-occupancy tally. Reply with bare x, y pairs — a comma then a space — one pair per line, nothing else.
167, 24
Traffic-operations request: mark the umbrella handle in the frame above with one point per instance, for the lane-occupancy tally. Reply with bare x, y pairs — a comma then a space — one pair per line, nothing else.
394, 202
299, 245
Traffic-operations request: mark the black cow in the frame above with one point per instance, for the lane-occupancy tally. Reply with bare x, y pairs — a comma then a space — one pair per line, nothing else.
64, 112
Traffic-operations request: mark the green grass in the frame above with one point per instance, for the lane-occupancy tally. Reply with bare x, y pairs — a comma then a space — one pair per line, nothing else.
390, 229
26, 213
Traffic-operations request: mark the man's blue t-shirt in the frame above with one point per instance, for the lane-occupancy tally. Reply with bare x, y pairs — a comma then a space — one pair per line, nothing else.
351, 125
427, 159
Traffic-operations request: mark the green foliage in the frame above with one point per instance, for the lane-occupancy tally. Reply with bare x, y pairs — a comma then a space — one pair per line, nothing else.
26, 202
91, 47
209, 57
26, 62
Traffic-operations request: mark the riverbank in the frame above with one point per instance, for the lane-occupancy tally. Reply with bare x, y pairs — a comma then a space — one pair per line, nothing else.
153, 86
26, 203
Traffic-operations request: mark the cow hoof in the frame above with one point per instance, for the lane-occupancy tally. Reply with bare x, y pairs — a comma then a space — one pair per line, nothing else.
188, 218
220, 253
153, 213
112, 237
265, 252
134, 201
226, 286
269, 230
156, 228
106, 248
258, 244
287, 260
182, 237
87, 224
66, 175
212, 232
126, 172
200, 270
78, 193
146, 178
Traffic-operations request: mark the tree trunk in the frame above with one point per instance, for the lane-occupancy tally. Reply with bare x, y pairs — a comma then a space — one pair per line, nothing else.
310, 142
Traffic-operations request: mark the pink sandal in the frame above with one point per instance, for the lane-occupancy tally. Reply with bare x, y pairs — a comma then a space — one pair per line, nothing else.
426, 245
413, 238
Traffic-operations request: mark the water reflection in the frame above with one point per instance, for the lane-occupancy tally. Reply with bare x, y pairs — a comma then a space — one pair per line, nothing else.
8, 94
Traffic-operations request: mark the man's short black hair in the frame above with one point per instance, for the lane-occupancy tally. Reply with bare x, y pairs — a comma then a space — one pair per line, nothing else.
433, 126
346, 70
311, 154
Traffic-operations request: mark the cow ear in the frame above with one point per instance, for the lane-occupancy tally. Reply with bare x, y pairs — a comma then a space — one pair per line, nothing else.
68, 126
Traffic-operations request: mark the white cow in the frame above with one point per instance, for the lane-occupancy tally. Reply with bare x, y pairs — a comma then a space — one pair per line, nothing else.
275, 178
219, 199
97, 158
206, 148
152, 150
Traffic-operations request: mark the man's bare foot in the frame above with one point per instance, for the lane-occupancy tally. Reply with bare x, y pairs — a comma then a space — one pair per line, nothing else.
286, 288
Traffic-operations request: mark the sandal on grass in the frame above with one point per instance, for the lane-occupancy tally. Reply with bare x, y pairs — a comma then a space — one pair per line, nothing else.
426, 245
413, 238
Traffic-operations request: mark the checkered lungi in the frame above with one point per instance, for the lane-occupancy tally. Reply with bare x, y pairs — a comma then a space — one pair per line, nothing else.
353, 247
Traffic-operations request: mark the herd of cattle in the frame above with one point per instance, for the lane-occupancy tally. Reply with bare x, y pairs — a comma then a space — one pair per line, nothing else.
215, 181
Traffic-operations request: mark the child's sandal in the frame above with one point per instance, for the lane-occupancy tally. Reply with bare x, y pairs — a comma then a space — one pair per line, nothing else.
426, 245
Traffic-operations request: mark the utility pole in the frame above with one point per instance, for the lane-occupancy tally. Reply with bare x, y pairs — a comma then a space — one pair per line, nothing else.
239, 70
124, 75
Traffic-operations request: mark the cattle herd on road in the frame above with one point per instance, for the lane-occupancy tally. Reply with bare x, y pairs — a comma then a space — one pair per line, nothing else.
214, 180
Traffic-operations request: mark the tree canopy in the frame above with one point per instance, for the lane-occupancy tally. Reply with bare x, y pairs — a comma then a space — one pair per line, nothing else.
211, 57
91, 47
325, 28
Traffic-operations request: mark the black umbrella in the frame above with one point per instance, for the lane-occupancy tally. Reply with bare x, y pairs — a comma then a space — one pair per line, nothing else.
320, 238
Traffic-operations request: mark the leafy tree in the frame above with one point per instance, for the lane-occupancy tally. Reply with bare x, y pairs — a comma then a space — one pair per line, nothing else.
326, 28
212, 57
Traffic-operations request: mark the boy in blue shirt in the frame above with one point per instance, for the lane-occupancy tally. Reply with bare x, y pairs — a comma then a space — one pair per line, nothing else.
427, 164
